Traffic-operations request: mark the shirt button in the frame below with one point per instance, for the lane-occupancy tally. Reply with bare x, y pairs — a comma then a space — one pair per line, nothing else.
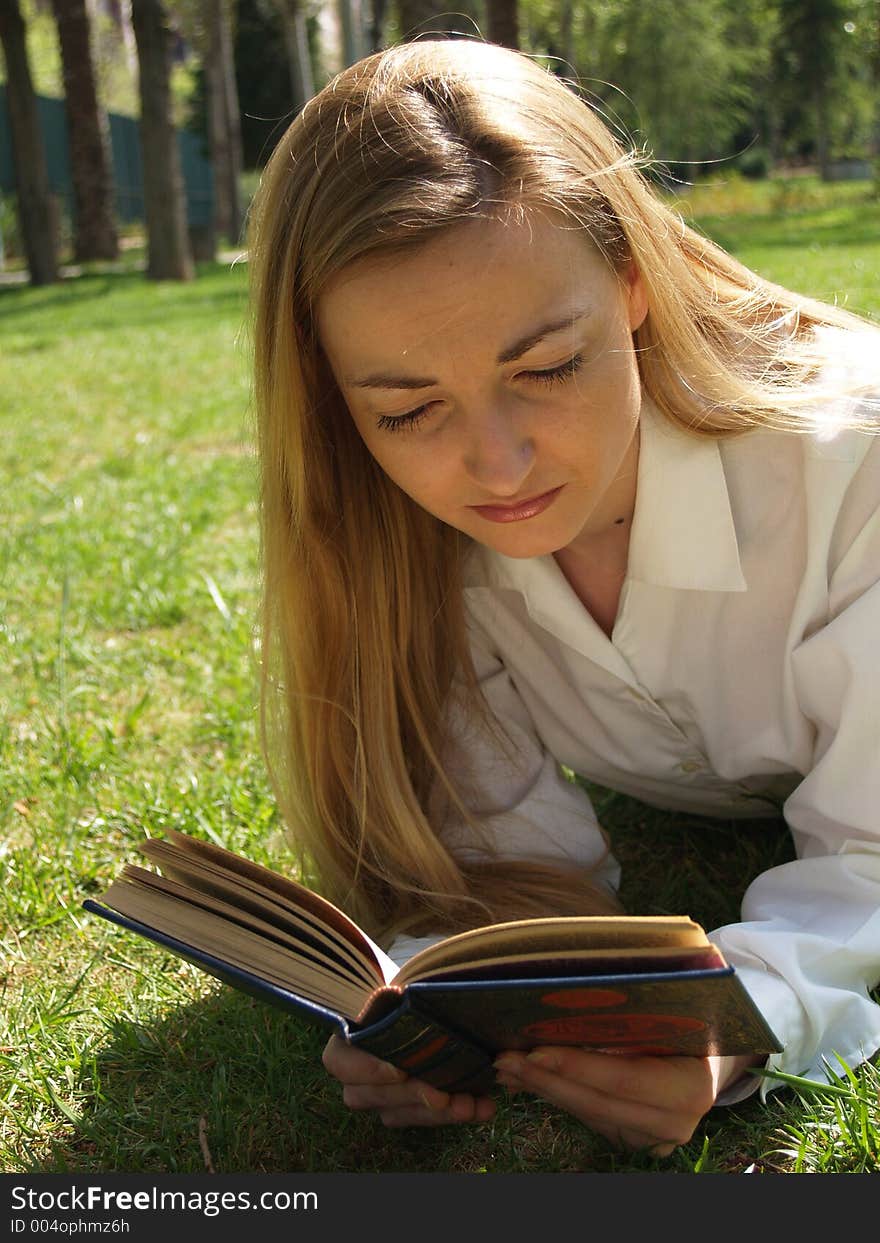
690, 766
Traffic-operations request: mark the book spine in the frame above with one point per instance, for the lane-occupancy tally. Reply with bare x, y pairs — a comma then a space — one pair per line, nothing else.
428, 1051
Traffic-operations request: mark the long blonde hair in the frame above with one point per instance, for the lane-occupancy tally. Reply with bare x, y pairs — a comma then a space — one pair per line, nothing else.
360, 645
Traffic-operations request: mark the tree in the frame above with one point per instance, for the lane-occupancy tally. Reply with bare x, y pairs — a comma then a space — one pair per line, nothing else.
296, 41
423, 18
376, 25
811, 33
351, 25
224, 118
28, 152
169, 255
875, 80
566, 30
502, 22
675, 62
262, 74
91, 169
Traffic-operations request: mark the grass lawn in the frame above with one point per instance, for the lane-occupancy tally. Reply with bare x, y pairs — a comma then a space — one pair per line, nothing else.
128, 586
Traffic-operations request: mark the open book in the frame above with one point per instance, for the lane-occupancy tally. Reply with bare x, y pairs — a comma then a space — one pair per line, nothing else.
638, 984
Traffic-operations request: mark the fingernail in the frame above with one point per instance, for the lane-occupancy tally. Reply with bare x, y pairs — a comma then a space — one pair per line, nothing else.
462, 1109
433, 1098
510, 1063
546, 1061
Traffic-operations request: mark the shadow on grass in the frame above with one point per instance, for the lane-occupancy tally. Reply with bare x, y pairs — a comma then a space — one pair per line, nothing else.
787, 232
240, 1085
237, 1082
246, 1076
677, 864
250, 1078
104, 300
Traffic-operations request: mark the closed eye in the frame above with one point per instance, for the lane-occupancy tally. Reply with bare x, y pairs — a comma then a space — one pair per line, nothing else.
554, 375
401, 422
550, 375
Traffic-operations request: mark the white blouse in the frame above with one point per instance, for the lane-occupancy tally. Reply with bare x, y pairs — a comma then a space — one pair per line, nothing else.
743, 673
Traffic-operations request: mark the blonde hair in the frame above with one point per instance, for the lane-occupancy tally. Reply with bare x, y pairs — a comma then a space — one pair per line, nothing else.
361, 646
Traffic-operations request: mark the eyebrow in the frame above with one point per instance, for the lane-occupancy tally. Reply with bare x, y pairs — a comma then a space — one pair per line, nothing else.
510, 355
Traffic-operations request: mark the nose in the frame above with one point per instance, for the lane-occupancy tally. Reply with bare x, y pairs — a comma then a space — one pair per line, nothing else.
499, 454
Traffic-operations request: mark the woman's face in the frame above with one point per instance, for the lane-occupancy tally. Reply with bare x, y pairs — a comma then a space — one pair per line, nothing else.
491, 374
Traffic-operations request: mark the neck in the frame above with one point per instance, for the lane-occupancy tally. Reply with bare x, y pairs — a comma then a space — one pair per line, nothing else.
605, 541
605, 552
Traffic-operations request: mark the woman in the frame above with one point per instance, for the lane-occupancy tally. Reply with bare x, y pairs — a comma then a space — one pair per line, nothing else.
548, 478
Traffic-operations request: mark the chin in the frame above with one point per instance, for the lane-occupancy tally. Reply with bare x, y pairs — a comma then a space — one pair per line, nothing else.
524, 549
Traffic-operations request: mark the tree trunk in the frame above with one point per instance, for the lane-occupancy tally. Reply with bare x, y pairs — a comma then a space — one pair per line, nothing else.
774, 130
169, 255
823, 155
28, 152
875, 73
88, 138
376, 28
224, 121
566, 32
431, 18
502, 22
299, 61
352, 34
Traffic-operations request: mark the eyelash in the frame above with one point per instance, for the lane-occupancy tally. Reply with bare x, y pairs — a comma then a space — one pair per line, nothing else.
554, 375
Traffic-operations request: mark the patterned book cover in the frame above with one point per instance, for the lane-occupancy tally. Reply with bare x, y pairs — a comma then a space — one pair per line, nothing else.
447, 1032
699, 1012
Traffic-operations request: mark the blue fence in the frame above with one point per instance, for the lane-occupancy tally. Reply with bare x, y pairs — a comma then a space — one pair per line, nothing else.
127, 166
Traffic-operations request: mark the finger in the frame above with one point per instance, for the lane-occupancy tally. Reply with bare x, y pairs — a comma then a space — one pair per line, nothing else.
351, 1065
638, 1142
417, 1096
466, 1108
610, 1115
667, 1083
462, 1109
412, 1093
625, 1123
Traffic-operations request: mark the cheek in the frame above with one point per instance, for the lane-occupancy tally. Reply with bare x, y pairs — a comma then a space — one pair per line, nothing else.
609, 403
388, 451
418, 471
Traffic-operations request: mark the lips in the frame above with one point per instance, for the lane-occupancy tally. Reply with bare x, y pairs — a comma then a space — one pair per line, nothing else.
520, 510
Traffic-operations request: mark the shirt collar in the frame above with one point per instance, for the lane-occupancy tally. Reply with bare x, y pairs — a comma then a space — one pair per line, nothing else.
683, 534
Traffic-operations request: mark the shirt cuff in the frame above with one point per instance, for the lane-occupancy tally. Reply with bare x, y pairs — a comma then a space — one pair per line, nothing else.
742, 1088
783, 1011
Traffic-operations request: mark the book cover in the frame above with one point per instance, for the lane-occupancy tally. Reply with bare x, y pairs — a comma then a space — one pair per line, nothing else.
403, 1036
627, 984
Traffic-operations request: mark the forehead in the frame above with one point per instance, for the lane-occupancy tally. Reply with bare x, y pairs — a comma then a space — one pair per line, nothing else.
486, 277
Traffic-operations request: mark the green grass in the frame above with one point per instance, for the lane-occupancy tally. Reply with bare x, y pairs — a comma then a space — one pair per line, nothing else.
128, 586
821, 240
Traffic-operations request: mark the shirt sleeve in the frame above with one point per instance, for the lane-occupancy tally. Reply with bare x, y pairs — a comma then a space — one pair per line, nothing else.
808, 946
524, 805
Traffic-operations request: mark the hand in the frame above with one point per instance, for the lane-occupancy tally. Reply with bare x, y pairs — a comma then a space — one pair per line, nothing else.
637, 1102
369, 1083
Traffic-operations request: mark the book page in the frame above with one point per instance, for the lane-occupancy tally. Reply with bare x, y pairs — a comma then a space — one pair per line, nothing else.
206, 878
573, 936
239, 946
194, 903
302, 897
575, 962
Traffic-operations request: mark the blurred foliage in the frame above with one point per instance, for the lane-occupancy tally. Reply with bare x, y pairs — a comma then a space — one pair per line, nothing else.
696, 82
